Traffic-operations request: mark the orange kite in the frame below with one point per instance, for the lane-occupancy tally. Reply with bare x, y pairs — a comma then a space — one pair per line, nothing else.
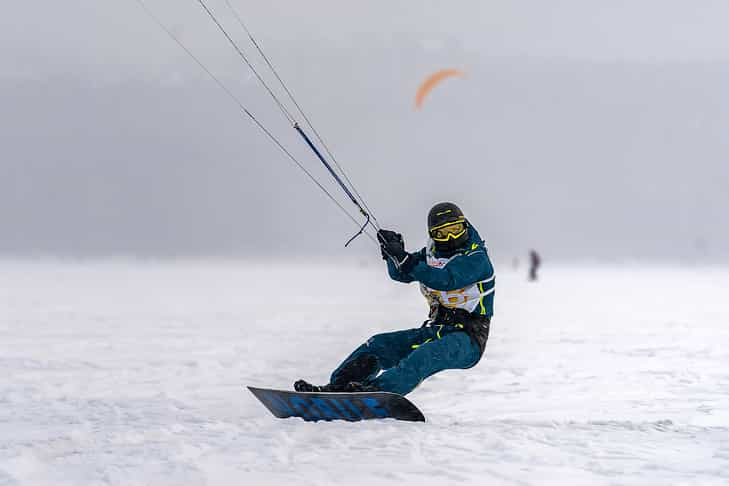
432, 81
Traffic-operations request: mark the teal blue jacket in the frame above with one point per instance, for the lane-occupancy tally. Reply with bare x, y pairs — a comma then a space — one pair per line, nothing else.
465, 268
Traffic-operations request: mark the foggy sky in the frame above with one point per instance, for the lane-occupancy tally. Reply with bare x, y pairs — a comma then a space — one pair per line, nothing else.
584, 129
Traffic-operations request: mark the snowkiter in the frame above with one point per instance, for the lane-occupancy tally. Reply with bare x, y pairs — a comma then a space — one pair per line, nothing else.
457, 279
534, 262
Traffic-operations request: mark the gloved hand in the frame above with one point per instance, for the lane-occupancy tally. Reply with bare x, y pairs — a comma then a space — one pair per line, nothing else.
392, 246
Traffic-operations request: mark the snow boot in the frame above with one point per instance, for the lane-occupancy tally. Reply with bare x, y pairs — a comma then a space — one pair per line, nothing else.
351, 377
305, 386
351, 387
357, 387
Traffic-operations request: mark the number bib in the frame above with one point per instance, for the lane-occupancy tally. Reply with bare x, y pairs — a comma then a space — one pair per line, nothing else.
467, 298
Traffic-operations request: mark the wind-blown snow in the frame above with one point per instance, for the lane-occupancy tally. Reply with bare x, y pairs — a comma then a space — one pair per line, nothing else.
133, 373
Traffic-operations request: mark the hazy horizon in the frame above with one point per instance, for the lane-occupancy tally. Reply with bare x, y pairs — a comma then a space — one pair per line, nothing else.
582, 129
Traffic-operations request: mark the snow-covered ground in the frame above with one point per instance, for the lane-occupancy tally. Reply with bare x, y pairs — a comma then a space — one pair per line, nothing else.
132, 374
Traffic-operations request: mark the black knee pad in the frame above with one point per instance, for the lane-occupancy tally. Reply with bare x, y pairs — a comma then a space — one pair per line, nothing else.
358, 369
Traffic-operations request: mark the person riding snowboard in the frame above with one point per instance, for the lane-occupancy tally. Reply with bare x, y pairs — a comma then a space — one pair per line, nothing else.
457, 278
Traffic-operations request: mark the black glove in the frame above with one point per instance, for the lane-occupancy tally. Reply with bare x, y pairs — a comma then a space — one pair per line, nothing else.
393, 246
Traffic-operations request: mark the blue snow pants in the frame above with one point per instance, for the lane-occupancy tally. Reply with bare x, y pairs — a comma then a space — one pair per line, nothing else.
408, 357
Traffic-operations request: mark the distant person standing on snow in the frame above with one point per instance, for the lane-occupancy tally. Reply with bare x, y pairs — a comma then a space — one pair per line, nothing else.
457, 279
534, 263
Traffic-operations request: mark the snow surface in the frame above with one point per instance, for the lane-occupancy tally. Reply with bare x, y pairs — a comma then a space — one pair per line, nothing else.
132, 374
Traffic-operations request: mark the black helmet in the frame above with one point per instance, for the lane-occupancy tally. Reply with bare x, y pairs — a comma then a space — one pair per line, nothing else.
448, 228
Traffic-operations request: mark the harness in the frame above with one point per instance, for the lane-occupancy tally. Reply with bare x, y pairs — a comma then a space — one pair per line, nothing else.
475, 325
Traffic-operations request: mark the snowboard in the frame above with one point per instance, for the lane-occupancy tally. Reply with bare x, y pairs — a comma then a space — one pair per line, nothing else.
352, 407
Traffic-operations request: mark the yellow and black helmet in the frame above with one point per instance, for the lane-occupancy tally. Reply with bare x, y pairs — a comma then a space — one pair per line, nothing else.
447, 227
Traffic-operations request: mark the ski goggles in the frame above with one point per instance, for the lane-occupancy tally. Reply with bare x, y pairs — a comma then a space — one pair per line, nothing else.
448, 231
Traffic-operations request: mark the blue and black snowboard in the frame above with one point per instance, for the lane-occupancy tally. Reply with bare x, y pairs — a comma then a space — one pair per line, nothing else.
338, 406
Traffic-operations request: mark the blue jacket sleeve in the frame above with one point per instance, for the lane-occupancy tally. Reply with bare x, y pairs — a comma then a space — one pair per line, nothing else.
399, 276
396, 274
460, 272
